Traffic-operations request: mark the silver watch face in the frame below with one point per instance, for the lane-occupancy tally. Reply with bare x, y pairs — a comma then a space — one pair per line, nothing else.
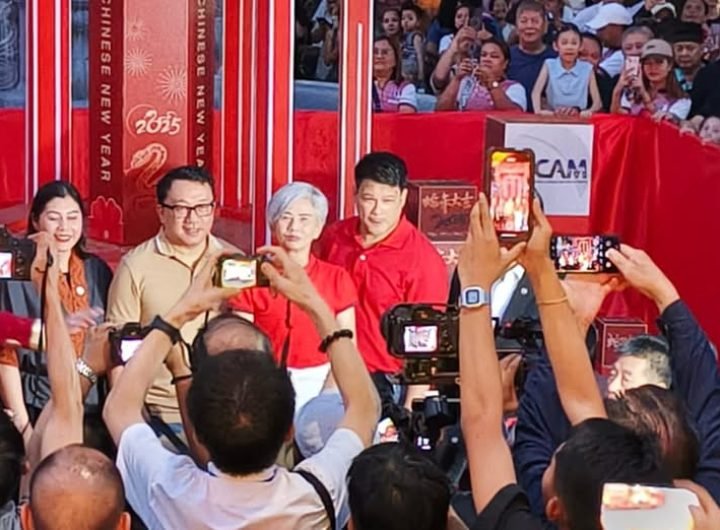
473, 297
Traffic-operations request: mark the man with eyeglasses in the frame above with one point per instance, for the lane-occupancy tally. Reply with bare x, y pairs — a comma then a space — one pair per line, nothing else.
152, 277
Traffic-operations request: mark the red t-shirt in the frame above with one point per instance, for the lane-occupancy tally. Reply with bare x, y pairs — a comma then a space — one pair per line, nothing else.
271, 313
404, 268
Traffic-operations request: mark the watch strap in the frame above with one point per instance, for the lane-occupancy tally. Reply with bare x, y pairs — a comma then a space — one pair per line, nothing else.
171, 331
84, 370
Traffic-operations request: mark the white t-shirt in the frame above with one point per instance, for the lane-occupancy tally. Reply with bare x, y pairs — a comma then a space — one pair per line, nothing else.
445, 43
679, 108
169, 491
613, 63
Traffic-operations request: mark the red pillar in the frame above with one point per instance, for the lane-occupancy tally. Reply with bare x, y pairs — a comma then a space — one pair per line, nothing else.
48, 97
355, 96
262, 123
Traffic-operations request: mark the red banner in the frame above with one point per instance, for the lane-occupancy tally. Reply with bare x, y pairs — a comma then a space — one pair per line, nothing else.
151, 101
653, 187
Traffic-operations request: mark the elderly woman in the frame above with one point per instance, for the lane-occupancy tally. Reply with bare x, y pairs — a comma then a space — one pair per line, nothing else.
296, 216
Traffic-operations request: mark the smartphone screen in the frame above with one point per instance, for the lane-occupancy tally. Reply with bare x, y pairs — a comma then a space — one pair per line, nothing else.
583, 253
629, 507
511, 175
128, 347
6, 265
239, 273
632, 66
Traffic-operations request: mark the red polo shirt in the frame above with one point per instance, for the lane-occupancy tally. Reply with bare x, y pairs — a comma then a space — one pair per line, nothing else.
271, 313
403, 268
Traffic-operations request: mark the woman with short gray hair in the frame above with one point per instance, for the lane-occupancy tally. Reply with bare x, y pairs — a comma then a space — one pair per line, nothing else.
296, 216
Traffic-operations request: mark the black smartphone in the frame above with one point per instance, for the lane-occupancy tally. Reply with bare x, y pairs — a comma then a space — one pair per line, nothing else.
583, 254
509, 182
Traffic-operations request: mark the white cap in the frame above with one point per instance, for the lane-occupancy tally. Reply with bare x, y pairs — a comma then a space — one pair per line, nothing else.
663, 5
611, 14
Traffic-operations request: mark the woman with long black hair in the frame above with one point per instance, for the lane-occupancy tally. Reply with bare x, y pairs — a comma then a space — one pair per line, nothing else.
58, 210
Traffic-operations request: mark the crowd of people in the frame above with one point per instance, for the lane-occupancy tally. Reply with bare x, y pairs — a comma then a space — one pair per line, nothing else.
651, 57
261, 407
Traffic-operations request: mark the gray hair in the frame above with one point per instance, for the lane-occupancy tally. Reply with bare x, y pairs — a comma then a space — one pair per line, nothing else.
285, 196
640, 30
655, 351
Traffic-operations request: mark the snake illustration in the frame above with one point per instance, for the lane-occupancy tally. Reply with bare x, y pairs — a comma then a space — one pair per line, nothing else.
146, 163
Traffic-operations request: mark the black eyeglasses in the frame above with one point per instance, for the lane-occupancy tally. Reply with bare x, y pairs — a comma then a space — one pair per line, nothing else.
181, 211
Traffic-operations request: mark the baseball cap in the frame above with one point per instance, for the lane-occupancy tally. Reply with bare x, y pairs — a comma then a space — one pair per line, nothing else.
317, 420
611, 14
657, 47
663, 5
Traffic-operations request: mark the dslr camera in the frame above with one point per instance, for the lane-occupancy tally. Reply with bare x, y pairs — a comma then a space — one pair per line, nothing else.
238, 271
16, 256
426, 337
125, 341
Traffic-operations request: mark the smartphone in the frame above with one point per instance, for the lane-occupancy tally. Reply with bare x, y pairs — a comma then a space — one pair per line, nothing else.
240, 272
585, 254
509, 182
629, 507
632, 66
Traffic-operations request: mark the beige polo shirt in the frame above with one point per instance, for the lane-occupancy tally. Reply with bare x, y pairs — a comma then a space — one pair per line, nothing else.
149, 281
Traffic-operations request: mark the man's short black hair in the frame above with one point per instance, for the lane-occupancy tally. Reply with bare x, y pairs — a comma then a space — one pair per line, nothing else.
599, 451
655, 411
383, 168
189, 173
12, 454
393, 486
242, 406
531, 5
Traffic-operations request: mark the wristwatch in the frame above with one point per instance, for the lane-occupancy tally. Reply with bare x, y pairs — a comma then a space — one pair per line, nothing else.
473, 297
84, 370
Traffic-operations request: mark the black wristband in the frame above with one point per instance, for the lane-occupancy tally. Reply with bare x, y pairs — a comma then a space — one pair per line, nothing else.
171, 331
180, 378
339, 334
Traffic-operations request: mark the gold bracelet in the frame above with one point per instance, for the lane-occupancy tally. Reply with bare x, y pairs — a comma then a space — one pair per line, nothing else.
554, 301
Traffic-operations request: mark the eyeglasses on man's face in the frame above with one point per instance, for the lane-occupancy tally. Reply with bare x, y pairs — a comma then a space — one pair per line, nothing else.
181, 211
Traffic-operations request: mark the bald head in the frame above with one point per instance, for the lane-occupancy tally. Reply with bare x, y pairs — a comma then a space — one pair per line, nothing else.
76, 488
228, 331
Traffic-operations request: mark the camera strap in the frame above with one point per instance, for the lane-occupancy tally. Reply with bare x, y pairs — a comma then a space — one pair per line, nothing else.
286, 343
323, 493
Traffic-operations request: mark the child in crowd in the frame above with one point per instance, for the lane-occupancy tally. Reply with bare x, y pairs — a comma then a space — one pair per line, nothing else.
656, 91
413, 44
391, 24
462, 19
710, 130
567, 81
499, 10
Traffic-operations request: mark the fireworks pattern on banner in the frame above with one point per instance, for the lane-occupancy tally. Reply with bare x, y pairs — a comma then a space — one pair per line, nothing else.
137, 62
172, 84
136, 30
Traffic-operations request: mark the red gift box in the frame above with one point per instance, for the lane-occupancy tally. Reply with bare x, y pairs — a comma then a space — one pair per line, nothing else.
441, 208
613, 332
